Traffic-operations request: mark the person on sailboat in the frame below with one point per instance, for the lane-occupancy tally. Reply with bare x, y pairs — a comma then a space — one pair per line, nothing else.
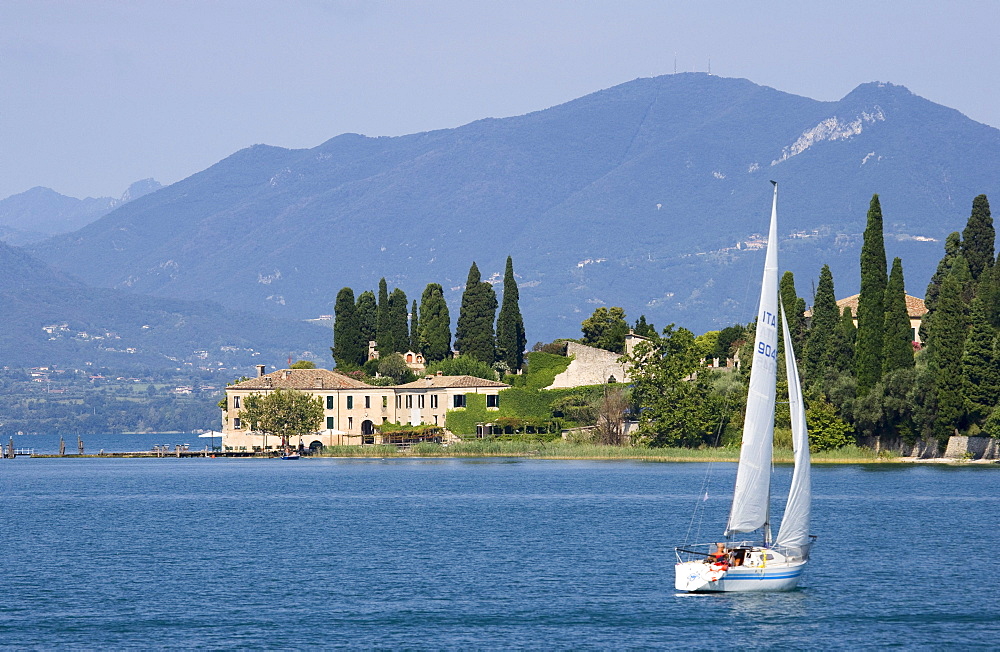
720, 556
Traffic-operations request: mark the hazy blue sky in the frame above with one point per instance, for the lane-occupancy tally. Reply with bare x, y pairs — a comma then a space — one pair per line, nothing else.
95, 95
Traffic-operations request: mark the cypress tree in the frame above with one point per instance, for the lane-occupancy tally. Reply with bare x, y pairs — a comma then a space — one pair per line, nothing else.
947, 340
644, 329
367, 315
952, 250
898, 336
383, 330
414, 329
435, 324
348, 350
825, 317
978, 238
511, 340
871, 311
398, 322
980, 366
474, 335
794, 309
842, 343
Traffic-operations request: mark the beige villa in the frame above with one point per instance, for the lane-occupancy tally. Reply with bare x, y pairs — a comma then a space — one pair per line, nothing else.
353, 409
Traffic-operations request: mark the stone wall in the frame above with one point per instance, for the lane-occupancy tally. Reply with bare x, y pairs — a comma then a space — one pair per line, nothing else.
590, 366
976, 448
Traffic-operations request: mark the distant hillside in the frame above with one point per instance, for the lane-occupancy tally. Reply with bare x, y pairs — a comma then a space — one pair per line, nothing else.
39, 213
50, 318
650, 195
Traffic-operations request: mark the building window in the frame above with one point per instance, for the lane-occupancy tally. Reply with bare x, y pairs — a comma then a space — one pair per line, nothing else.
329, 423
350, 423
493, 400
435, 419
399, 401
409, 400
236, 424
329, 402
385, 402
350, 402
236, 402
459, 401
368, 402
434, 400
420, 401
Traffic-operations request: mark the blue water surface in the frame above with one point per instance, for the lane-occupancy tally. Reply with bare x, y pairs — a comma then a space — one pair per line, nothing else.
474, 553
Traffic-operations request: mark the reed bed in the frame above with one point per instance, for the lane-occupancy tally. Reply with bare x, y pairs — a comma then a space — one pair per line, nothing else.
577, 451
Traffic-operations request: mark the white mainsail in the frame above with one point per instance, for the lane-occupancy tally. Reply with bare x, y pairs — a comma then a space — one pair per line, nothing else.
753, 478
794, 531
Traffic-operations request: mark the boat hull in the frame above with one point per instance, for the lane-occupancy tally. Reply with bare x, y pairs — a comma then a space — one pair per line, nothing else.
697, 577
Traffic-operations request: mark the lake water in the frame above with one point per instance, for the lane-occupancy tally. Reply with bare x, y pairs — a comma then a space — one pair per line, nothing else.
474, 553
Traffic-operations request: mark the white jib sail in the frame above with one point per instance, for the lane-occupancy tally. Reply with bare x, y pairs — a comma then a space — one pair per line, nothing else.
794, 532
753, 478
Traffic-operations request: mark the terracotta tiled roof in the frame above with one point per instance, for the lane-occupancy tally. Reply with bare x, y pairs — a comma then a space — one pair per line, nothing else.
451, 381
302, 379
914, 306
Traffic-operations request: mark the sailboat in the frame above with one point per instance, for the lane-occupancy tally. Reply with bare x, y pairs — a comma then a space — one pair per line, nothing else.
760, 564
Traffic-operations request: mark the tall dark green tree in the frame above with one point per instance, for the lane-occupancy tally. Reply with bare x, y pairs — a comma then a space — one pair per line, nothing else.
474, 335
643, 329
414, 328
794, 309
871, 309
399, 325
825, 318
842, 343
511, 340
978, 238
383, 323
952, 251
898, 335
348, 349
980, 365
946, 344
435, 324
367, 315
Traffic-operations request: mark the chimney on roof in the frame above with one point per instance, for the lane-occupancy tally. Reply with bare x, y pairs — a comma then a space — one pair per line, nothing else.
319, 382
260, 370
439, 372
287, 374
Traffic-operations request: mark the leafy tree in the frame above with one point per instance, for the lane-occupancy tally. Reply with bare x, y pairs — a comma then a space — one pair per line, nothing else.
474, 336
398, 323
897, 334
435, 324
947, 340
414, 328
825, 318
285, 413
348, 348
980, 365
511, 340
383, 322
827, 431
642, 328
392, 365
978, 238
672, 409
729, 339
367, 309
606, 329
707, 343
871, 311
303, 364
463, 365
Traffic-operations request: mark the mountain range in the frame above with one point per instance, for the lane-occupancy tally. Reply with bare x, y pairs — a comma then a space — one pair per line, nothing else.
52, 319
651, 195
39, 213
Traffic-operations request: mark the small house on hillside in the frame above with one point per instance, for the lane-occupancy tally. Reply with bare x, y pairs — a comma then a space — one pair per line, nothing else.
915, 308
